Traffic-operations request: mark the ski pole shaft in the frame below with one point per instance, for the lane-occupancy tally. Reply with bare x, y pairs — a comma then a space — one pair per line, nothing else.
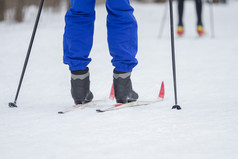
163, 20
28, 54
211, 19
176, 106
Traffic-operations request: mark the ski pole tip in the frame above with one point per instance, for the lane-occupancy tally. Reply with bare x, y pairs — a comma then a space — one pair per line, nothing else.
99, 110
12, 105
176, 107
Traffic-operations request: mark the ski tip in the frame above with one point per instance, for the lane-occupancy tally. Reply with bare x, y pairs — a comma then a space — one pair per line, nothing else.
112, 94
161, 92
60, 112
99, 110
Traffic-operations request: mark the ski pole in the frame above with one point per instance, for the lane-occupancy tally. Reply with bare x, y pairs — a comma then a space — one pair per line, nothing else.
13, 104
211, 19
163, 20
176, 106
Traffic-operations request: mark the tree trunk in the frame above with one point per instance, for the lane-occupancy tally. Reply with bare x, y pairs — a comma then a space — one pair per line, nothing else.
2, 9
68, 4
19, 15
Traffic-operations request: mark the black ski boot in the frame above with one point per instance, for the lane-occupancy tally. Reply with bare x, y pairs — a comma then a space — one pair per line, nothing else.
80, 87
123, 87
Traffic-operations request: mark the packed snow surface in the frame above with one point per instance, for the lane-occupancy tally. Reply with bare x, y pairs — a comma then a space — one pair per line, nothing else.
207, 83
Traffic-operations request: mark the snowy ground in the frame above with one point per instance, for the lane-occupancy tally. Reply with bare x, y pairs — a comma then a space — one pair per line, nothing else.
207, 75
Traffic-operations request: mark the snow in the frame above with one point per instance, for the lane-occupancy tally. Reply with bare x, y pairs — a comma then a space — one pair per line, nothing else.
207, 75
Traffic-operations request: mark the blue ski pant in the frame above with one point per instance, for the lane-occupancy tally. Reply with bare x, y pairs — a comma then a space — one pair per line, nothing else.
121, 34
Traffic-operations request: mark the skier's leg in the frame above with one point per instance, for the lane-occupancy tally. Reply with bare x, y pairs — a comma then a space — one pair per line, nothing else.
200, 29
122, 41
122, 34
78, 40
78, 36
180, 12
199, 11
180, 29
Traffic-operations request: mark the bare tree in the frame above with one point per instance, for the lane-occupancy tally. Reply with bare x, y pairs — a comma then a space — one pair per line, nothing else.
19, 5
19, 15
68, 4
2, 9
54, 4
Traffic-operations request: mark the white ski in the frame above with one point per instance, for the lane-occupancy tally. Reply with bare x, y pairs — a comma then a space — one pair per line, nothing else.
131, 104
81, 106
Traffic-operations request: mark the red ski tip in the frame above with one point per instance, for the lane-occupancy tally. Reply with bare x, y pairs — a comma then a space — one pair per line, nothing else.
112, 94
161, 92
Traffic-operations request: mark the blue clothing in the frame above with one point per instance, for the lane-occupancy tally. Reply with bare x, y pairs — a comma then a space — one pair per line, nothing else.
79, 30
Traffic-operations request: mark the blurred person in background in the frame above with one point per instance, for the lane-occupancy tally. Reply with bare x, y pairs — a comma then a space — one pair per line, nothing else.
122, 42
180, 28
